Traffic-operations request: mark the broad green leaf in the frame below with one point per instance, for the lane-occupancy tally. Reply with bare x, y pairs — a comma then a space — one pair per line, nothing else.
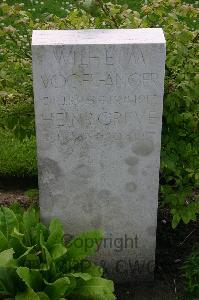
83, 245
8, 221
43, 296
32, 278
47, 263
96, 288
17, 234
56, 233
11, 219
18, 211
3, 227
46, 257
3, 242
29, 294
22, 258
32, 261
57, 250
30, 220
84, 276
176, 219
185, 218
72, 285
189, 214
90, 268
6, 257
41, 229
58, 288
9, 280
17, 245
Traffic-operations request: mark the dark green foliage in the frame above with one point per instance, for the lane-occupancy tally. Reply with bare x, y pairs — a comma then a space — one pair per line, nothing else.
19, 119
191, 270
36, 263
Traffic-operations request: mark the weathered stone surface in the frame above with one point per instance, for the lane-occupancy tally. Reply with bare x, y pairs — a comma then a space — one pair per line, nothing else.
98, 105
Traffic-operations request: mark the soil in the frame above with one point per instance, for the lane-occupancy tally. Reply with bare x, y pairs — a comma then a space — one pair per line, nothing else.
173, 248
9, 197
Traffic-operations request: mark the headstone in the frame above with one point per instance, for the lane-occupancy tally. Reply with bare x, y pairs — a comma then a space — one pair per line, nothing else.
98, 105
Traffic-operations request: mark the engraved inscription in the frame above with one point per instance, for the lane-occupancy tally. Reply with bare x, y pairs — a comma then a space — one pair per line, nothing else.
98, 95
91, 56
103, 99
98, 108
113, 79
102, 119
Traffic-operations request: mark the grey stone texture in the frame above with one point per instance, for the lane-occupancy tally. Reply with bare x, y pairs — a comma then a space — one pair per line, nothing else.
98, 103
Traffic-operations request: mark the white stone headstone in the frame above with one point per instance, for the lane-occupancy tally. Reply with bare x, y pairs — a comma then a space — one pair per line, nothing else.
98, 105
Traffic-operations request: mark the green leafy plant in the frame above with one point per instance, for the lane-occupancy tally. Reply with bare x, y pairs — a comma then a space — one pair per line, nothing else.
19, 119
36, 263
191, 270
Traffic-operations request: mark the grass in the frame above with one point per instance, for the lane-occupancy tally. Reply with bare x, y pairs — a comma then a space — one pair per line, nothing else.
17, 158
